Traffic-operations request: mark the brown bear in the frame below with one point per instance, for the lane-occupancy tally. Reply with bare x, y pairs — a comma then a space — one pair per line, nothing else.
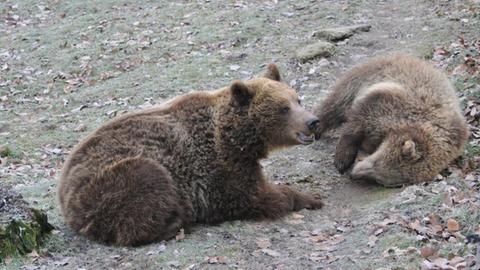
401, 114
195, 159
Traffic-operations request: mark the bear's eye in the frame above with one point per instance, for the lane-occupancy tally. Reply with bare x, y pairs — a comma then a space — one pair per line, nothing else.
285, 110
299, 102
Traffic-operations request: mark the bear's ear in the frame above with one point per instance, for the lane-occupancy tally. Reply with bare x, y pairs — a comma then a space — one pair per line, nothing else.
240, 93
272, 73
409, 150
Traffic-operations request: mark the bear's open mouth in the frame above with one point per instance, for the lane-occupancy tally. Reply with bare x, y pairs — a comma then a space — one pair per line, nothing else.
304, 139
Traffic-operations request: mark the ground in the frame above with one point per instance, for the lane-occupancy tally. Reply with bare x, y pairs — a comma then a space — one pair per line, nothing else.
68, 66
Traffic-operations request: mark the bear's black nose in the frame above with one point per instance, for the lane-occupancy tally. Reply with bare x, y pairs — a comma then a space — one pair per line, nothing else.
312, 123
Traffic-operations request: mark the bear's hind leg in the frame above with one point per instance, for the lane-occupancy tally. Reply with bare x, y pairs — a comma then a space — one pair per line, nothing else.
132, 202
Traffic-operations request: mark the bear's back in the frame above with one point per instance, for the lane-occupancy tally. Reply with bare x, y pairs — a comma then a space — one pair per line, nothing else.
423, 82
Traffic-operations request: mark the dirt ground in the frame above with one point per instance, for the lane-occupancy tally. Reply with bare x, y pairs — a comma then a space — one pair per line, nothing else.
68, 66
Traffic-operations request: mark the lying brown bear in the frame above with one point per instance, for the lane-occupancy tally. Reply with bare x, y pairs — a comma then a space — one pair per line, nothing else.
401, 114
144, 175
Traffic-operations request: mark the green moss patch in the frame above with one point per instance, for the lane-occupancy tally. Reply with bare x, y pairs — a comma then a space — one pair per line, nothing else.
22, 229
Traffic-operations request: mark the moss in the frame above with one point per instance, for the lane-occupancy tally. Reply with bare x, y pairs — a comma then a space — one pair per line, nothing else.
5, 151
20, 237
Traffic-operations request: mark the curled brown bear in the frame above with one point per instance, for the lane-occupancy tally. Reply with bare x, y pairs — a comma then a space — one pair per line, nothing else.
402, 121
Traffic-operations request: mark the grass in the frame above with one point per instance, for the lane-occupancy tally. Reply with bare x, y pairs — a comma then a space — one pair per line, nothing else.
399, 240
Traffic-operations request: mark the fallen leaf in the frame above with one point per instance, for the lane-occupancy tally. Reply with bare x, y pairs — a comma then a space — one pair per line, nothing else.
297, 216
457, 261
371, 241
434, 219
271, 252
378, 232
442, 263
319, 238
385, 222
315, 257
452, 225
295, 219
80, 128
325, 247
62, 262
180, 235
263, 243
217, 260
427, 252
234, 67
435, 229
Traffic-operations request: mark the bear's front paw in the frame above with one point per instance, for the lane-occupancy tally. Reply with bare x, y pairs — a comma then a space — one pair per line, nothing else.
313, 202
343, 163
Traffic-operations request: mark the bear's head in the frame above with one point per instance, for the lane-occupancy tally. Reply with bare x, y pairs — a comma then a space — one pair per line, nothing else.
404, 156
275, 110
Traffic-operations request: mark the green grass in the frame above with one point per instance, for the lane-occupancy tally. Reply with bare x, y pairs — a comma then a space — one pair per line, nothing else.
399, 240
472, 150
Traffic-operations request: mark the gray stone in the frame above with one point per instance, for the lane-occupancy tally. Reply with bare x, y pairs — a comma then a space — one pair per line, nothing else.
341, 33
318, 49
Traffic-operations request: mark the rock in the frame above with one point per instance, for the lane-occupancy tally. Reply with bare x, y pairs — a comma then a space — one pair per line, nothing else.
318, 49
341, 33
22, 229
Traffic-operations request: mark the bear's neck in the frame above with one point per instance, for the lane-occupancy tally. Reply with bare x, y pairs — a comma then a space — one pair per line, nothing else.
237, 139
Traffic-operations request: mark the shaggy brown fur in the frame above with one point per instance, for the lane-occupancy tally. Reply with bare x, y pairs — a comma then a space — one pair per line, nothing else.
142, 176
401, 113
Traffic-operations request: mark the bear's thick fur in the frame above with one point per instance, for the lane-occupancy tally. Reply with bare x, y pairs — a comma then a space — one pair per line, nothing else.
402, 115
144, 175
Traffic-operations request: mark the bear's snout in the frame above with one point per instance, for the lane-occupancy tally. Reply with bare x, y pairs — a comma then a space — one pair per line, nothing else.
312, 124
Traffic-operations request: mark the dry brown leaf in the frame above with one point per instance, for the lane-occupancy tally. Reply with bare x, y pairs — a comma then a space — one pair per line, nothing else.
8, 260
427, 252
435, 229
372, 240
263, 243
385, 222
416, 226
336, 239
378, 232
217, 260
80, 128
295, 219
316, 257
434, 219
452, 225
325, 247
33, 254
442, 263
457, 261
319, 238
180, 235
297, 216
271, 252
